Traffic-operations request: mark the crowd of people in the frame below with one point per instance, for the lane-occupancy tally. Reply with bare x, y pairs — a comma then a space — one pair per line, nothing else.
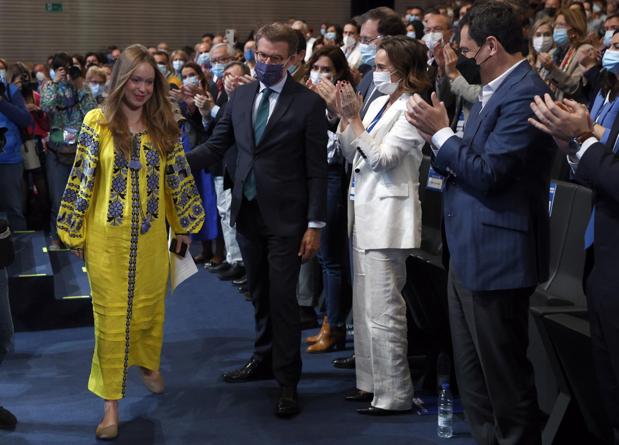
294, 157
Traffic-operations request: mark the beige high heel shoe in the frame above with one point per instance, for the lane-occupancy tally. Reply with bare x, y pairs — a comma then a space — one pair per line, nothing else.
153, 380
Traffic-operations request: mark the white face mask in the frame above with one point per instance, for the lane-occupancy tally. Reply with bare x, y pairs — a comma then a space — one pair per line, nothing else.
316, 77
178, 65
383, 83
40, 76
542, 44
349, 41
432, 39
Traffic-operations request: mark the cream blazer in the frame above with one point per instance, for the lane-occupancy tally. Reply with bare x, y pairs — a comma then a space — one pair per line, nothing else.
385, 212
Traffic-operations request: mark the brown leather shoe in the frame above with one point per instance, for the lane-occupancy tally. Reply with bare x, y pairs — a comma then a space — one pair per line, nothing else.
334, 339
316, 338
153, 381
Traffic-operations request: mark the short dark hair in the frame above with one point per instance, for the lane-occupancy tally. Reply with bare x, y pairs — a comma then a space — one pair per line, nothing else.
279, 32
389, 23
353, 23
97, 55
61, 60
162, 53
610, 17
301, 42
498, 19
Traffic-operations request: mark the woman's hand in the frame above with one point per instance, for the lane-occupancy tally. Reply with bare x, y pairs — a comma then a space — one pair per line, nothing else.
327, 91
204, 103
180, 240
546, 61
348, 102
451, 60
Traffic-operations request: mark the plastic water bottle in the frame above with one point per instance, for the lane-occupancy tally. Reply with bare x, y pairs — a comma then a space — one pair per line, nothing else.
445, 413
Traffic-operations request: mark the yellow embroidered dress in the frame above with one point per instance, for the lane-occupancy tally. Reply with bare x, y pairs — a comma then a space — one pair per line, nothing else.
116, 209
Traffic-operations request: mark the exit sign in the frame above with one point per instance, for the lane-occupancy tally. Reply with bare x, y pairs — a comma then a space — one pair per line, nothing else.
53, 7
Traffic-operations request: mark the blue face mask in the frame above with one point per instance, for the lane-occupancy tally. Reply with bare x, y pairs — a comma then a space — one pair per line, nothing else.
559, 35
96, 89
3, 76
191, 81
368, 53
331, 36
52, 74
269, 74
608, 36
610, 61
163, 69
218, 70
204, 59
249, 56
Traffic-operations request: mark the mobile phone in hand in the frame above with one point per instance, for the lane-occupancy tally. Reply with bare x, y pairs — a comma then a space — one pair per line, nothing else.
183, 250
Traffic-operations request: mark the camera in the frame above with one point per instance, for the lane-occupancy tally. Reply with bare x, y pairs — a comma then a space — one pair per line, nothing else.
3, 130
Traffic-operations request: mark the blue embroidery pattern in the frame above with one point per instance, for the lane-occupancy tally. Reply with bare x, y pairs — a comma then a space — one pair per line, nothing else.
78, 192
183, 191
118, 193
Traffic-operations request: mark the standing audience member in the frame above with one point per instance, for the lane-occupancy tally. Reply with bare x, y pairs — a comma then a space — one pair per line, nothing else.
130, 177
328, 66
594, 163
66, 104
384, 220
564, 71
8, 421
500, 168
14, 116
350, 45
96, 78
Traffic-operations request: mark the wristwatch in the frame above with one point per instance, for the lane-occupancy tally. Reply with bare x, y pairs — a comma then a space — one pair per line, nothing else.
576, 142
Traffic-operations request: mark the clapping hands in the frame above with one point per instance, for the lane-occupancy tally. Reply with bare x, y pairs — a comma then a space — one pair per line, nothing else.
348, 102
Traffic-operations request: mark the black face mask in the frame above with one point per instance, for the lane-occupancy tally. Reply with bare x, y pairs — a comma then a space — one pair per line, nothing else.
469, 70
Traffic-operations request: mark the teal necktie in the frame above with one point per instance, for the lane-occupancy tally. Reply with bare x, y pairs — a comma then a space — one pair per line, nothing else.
262, 117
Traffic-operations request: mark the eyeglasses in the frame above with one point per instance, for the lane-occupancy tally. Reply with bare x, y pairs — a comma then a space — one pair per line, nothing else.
368, 40
224, 60
272, 58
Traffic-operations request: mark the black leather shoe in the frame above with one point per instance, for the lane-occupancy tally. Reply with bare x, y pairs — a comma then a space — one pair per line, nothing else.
373, 411
241, 281
287, 404
344, 362
234, 273
243, 289
247, 296
216, 268
7, 420
250, 371
356, 395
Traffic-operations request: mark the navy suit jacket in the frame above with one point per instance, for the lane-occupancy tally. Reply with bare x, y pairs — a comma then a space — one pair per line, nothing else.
599, 170
289, 163
495, 202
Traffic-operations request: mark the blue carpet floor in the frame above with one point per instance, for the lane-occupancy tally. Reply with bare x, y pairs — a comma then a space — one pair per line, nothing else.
209, 329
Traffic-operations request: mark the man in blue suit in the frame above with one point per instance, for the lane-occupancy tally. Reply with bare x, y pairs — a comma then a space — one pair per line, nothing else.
495, 211
596, 165
278, 201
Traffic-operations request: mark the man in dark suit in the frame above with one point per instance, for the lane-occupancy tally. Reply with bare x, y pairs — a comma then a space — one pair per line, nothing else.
278, 201
596, 165
495, 207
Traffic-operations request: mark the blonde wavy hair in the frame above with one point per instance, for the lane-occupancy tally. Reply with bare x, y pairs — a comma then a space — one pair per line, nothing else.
157, 112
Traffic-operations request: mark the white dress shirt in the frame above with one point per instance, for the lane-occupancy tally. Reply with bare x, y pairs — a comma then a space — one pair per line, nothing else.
441, 136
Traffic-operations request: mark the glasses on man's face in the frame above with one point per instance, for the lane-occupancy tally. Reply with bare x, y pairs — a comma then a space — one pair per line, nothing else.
367, 40
269, 58
224, 60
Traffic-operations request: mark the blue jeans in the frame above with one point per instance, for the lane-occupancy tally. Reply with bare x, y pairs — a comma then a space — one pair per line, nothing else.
6, 321
11, 194
57, 178
333, 253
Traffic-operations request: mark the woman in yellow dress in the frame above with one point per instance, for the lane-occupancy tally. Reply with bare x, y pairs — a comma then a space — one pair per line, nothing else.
130, 176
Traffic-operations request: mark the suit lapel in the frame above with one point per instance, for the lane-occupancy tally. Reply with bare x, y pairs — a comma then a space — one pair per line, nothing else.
248, 104
283, 102
515, 76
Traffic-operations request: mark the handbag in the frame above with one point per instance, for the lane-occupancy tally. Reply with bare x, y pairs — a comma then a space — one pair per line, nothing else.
63, 143
30, 155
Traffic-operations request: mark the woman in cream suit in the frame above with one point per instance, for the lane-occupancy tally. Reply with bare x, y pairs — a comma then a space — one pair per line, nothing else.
384, 220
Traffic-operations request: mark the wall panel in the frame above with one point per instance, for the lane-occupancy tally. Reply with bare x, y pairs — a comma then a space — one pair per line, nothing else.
29, 33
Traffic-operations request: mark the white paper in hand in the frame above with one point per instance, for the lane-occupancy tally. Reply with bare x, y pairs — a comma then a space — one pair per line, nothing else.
181, 268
